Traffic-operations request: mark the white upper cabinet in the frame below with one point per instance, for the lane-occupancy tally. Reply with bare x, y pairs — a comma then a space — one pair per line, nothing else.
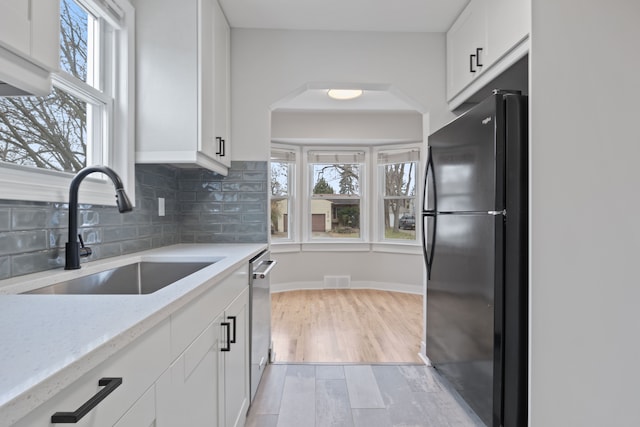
467, 46
182, 103
508, 23
29, 45
487, 38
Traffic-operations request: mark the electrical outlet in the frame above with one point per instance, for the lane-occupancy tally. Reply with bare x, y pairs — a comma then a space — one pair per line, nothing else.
160, 206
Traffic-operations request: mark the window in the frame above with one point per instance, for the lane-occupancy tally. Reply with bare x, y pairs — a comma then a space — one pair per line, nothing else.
397, 170
282, 190
85, 120
336, 181
334, 202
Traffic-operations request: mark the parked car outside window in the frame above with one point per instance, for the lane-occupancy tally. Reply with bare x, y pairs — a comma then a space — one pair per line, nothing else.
407, 222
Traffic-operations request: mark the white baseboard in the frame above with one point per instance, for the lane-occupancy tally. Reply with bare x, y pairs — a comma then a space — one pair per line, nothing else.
423, 353
380, 286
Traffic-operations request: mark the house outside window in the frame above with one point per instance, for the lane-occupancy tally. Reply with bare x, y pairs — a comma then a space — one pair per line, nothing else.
397, 171
282, 192
336, 188
87, 118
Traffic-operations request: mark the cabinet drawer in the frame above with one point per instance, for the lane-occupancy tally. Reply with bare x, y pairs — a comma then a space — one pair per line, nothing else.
190, 321
139, 365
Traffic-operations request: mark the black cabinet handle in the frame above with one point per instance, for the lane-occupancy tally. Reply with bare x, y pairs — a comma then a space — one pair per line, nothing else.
227, 347
471, 61
223, 149
478, 63
109, 385
233, 335
219, 141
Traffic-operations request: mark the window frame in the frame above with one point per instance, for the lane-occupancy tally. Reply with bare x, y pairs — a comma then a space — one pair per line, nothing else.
117, 129
380, 234
307, 197
292, 172
371, 209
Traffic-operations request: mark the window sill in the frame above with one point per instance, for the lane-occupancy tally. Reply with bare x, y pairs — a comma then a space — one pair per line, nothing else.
398, 248
30, 184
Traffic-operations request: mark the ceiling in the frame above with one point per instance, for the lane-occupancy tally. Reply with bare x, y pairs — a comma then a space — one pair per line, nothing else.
344, 15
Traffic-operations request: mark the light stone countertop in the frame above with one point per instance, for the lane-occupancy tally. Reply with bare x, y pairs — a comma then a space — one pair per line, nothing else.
49, 341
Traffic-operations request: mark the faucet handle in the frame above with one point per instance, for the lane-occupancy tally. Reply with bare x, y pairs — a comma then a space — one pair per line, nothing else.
85, 251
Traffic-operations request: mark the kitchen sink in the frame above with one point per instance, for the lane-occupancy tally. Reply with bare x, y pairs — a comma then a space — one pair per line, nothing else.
138, 279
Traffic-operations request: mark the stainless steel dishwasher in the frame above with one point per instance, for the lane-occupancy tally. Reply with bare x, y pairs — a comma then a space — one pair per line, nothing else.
260, 320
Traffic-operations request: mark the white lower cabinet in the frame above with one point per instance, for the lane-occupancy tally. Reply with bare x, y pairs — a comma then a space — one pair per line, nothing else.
190, 370
188, 392
236, 362
138, 366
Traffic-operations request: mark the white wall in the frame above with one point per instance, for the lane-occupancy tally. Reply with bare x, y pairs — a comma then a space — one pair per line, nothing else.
585, 203
373, 127
377, 270
268, 65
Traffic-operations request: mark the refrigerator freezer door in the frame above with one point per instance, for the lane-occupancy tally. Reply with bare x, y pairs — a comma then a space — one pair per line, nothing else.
462, 336
468, 163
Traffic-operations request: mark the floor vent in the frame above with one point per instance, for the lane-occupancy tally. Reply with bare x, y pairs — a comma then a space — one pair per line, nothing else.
334, 282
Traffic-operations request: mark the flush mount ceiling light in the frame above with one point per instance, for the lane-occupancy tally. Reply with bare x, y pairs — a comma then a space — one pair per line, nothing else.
344, 94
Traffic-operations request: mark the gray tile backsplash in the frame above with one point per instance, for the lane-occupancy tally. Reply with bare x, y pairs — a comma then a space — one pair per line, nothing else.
200, 207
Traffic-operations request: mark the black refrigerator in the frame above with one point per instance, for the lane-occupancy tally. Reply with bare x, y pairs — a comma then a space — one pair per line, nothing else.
475, 244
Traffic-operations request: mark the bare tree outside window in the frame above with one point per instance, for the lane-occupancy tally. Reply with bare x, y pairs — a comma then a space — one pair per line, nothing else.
399, 200
51, 132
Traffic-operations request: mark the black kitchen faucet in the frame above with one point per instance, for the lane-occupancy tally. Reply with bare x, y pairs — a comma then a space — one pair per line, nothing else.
73, 251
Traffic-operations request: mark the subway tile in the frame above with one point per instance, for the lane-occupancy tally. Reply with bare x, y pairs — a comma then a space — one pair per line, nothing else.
5, 219
28, 219
23, 241
137, 245
5, 267
36, 261
114, 234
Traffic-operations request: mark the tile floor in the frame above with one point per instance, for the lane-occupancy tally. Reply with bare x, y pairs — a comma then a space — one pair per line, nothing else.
303, 395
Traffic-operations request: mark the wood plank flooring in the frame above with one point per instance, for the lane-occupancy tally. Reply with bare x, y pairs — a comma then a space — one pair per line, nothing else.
346, 326
357, 396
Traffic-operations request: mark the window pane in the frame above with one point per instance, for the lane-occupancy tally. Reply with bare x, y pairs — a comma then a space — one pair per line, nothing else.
399, 219
279, 218
399, 200
336, 179
78, 37
400, 179
280, 174
335, 202
48, 133
335, 217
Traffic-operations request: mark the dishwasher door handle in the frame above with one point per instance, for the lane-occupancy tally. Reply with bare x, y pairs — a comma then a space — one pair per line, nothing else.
265, 273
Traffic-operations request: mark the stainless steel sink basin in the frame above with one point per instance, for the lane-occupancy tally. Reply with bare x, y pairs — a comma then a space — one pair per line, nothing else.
139, 278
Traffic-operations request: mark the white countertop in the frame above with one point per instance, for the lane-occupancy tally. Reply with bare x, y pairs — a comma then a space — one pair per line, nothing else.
49, 341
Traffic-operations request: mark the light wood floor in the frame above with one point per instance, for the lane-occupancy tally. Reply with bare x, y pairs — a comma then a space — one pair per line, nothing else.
346, 326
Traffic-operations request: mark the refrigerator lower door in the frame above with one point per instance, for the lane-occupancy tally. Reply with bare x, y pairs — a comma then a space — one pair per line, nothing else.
463, 337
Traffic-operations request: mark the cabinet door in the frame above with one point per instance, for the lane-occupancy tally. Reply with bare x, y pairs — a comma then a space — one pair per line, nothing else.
222, 73
188, 393
509, 22
15, 26
466, 47
142, 413
236, 362
206, 78
45, 33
